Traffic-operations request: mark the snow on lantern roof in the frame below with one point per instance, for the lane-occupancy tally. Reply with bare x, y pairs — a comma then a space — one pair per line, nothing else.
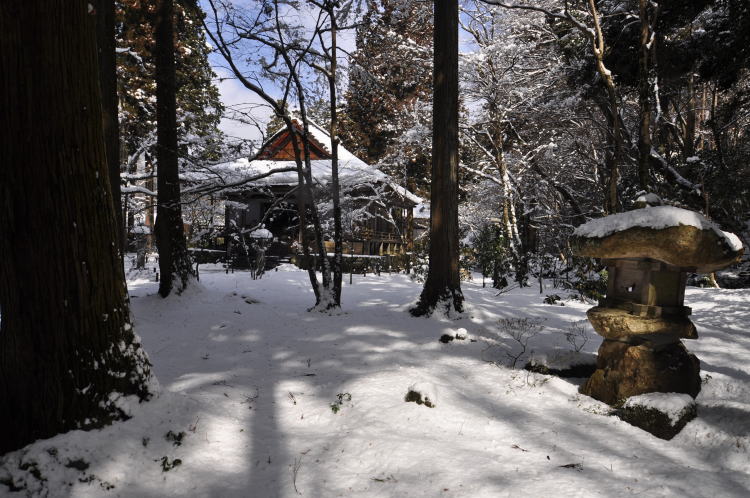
656, 217
665, 233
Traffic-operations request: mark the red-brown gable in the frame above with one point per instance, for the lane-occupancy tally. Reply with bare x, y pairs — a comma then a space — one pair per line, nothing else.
279, 147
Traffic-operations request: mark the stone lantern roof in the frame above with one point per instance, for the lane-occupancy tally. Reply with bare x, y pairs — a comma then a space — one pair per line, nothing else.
674, 236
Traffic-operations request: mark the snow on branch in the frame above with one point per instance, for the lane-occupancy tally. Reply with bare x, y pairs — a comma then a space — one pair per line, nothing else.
216, 187
670, 171
563, 14
136, 189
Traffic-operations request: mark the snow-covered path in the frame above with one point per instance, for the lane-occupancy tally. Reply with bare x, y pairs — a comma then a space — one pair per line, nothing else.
250, 378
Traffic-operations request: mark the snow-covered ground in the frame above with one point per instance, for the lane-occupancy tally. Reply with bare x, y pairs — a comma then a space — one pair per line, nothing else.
260, 398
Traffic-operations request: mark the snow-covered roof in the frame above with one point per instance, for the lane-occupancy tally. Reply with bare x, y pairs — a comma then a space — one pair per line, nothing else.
656, 217
352, 170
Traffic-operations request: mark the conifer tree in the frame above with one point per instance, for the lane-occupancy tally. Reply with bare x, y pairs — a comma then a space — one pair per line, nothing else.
67, 346
443, 285
389, 99
174, 261
199, 106
105, 28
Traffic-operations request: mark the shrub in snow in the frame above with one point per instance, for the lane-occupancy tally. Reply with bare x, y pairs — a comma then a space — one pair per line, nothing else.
166, 465
576, 335
553, 299
662, 414
175, 438
422, 394
586, 282
737, 278
340, 399
521, 330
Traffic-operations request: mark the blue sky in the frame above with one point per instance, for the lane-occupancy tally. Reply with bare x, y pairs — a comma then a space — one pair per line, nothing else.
235, 95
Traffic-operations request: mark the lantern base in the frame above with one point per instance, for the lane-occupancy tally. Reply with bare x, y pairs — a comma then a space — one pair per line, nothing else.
625, 370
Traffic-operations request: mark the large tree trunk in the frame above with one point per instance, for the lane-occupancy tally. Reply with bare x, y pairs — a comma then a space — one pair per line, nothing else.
66, 340
443, 282
174, 262
105, 27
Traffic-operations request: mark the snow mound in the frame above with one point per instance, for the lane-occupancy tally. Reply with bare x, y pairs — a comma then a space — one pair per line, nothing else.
422, 393
450, 334
656, 217
649, 198
673, 405
260, 233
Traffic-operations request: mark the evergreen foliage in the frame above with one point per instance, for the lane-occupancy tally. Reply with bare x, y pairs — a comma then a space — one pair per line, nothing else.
389, 99
199, 106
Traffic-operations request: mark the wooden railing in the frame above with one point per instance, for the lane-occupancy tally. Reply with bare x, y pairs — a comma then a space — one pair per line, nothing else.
369, 234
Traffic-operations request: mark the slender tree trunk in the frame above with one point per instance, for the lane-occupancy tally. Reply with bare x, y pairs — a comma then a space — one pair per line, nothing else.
716, 128
105, 28
66, 340
338, 244
702, 142
690, 121
511, 239
302, 204
443, 282
323, 297
411, 185
614, 155
644, 97
174, 262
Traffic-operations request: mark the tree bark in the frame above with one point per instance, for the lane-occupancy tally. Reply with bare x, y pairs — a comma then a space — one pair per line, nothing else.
303, 201
323, 296
337, 237
443, 282
614, 154
644, 97
66, 340
690, 121
105, 34
174, 262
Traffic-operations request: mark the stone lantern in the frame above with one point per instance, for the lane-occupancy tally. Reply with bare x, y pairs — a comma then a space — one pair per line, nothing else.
648, 253
141, 234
